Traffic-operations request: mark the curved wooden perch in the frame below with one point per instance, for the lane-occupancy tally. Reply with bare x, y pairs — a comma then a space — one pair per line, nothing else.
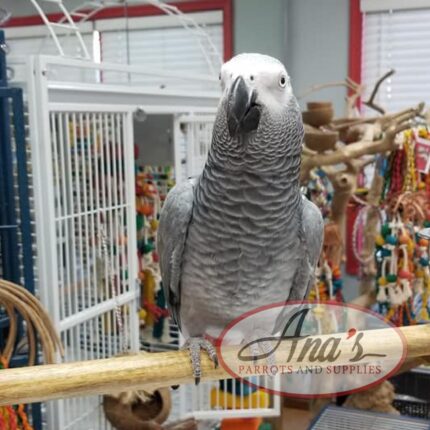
154, 370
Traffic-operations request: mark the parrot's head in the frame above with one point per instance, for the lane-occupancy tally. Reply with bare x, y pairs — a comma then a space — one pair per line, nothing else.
258, 104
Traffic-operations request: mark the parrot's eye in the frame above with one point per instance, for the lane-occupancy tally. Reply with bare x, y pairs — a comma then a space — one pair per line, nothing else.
219, 76
282, 81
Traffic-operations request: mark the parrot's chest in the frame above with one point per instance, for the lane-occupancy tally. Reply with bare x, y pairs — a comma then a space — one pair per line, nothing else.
243, 225
241, 252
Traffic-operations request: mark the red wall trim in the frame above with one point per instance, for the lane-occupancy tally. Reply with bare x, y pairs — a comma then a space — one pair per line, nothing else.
148, 10
228, 29
355, 40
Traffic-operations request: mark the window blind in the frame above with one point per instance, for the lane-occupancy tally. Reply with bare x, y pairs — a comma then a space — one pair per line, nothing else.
383, 5
399, 40
42, 44
166, 47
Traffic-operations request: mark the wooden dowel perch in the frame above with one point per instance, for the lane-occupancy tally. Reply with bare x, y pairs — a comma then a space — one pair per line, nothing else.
155, 370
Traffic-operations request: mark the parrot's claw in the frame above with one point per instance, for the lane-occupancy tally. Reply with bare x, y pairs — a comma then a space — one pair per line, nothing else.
194, 346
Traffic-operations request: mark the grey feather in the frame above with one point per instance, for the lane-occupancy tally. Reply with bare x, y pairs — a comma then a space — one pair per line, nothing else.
313, 230
313, 226
312, 237
173, 229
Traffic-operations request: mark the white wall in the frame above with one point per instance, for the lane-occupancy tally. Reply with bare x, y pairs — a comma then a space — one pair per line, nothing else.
25, 7
317, 46
260, 26
309, 36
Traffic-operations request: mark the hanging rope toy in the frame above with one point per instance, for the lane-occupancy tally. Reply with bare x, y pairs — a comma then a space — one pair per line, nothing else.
18, 302
112, 277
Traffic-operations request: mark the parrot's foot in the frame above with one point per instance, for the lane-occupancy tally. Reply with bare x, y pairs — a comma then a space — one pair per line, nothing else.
194, 346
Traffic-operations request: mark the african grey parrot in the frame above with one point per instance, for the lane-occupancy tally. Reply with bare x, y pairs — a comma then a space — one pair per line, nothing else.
241, 235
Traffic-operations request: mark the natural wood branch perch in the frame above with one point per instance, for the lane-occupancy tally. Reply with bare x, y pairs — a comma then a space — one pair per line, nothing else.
154, 370
394, 124
371, 102
348, 83
355, 92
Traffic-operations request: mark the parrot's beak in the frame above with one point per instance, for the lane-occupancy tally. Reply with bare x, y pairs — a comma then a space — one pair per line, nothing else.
243, 113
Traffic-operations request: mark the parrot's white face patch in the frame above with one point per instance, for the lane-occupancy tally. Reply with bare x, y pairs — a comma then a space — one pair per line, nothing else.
265, 74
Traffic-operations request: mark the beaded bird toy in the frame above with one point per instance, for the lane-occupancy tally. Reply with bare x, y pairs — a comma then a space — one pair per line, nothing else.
328, 284
328, 277
152, 186
395, 248
403, 282
320, 192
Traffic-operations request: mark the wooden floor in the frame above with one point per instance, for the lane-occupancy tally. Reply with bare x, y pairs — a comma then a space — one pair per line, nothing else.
297, 419
292, 419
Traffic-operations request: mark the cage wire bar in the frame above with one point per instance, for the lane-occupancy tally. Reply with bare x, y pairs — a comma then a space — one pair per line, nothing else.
16, 253
193, 136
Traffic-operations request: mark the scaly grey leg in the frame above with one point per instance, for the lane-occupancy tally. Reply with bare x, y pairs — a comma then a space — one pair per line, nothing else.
194, 346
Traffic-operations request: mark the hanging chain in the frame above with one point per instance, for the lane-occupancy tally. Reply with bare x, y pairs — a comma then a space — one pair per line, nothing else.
114, 290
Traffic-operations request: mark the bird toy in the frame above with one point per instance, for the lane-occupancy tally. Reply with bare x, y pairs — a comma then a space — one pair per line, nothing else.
395, 252
328, 282
152, 186
318, 191
403, 279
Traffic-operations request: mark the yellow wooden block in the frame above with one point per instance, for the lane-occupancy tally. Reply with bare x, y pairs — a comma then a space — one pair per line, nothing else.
379, 240
224, 399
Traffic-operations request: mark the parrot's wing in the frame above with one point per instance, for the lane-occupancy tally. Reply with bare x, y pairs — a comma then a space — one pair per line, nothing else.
313, 231
172, 234
312, 236
313, 226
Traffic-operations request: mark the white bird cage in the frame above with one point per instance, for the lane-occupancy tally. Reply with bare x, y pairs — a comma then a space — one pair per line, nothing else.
208, 401
85, 223
193, 136
82, 134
